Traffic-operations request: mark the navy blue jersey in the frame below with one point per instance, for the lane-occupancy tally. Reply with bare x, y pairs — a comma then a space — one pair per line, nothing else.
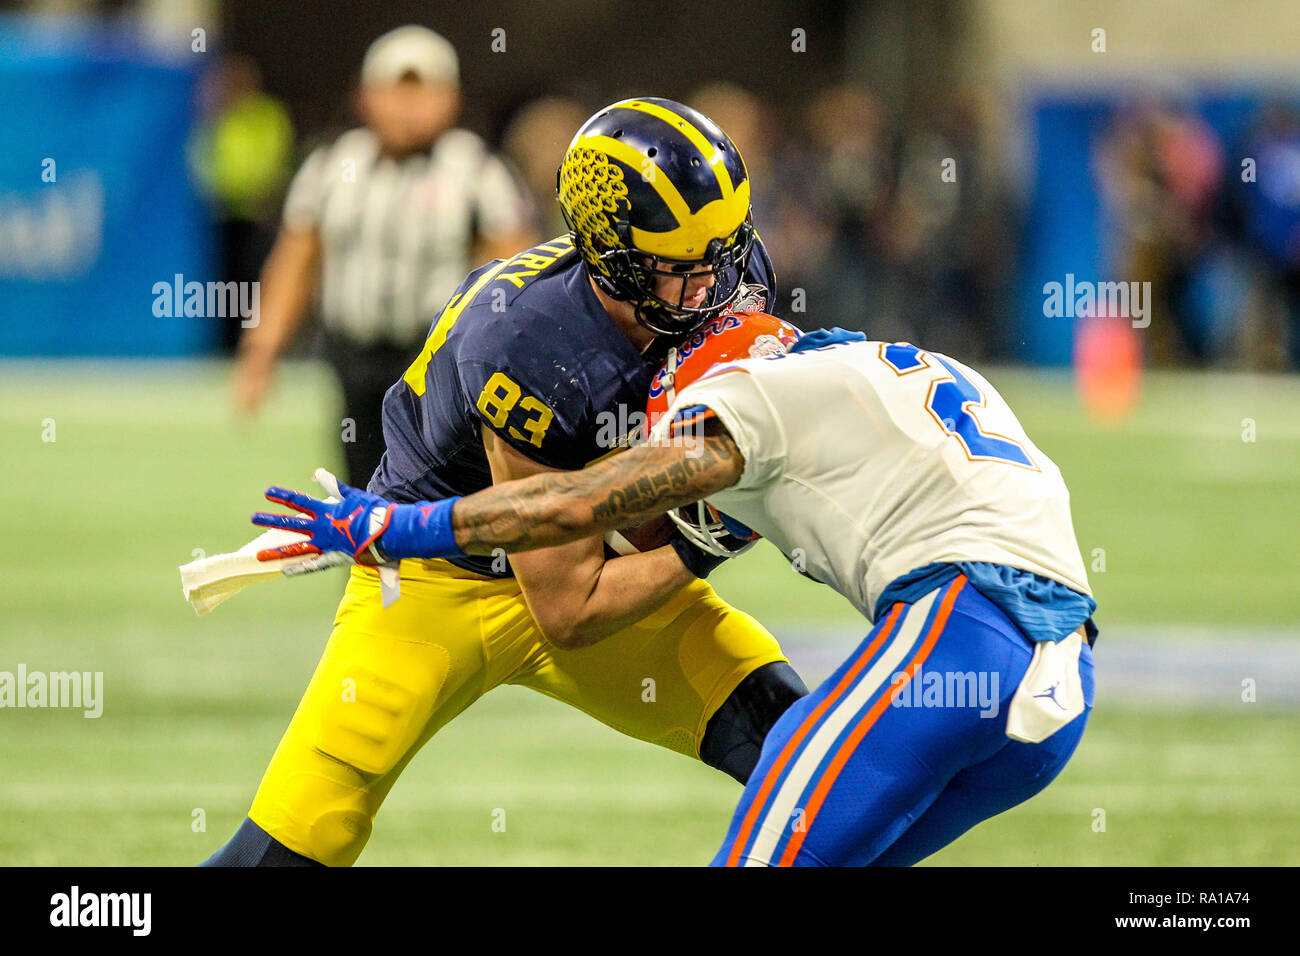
525, 348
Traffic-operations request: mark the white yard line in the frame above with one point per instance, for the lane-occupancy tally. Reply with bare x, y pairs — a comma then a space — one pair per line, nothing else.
1135, 666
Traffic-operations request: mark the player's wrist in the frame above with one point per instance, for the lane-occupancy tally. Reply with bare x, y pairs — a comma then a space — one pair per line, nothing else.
697, 561
420, 530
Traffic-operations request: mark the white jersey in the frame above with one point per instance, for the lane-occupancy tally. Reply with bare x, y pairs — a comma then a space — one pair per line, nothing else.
871, 459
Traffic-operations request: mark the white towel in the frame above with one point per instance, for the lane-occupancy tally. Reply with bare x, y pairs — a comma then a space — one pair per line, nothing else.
207, 582
1051, 693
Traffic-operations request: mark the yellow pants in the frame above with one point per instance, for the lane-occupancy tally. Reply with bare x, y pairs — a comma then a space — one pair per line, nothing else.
389, 679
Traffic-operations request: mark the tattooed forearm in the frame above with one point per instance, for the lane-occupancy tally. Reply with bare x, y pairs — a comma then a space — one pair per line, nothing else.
648, 488
632, 487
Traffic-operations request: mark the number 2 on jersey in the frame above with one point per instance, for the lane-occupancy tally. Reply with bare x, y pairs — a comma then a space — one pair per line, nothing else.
500, 394
949, 402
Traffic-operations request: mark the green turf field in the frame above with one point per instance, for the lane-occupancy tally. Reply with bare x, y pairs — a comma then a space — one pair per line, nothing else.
1197, 527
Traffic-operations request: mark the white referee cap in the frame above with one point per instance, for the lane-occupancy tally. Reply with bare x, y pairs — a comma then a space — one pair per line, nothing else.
410, 49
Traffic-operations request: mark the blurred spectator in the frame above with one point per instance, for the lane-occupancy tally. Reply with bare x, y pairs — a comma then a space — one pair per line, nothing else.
866, 228
950, 232
746, 121
394, 214
240, 156
1161, 168
1267, 210
535, 140
849, 168
791, 207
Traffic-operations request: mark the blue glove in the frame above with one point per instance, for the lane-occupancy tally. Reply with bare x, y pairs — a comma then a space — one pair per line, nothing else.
360, 527
350, 526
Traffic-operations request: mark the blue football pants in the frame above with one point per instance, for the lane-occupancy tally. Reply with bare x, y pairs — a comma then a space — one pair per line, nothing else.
885, 762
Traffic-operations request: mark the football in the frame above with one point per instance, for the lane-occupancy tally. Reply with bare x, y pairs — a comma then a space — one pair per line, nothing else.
642, 537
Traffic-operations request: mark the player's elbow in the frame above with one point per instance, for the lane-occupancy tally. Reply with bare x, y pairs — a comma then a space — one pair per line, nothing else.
563, 639
561, 634
552, 616
566, 629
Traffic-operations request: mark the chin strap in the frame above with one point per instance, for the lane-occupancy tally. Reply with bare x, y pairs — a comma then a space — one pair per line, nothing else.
670, 376
645, 312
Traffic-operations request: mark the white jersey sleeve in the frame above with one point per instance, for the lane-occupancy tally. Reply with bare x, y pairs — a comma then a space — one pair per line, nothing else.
754, 425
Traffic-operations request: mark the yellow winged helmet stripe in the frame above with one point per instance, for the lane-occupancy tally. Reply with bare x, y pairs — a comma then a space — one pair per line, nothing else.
715, 220
712, 154
719, 218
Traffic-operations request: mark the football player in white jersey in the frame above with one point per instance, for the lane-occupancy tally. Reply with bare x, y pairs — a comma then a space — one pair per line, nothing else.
905, 482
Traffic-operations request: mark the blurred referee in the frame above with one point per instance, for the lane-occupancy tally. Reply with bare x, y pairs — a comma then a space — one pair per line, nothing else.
391, 216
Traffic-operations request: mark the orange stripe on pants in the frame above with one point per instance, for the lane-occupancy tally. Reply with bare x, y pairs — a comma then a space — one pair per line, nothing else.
806, 728
867, 722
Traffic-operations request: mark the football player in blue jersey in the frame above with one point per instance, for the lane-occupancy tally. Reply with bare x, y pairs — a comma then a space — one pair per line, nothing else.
532, 366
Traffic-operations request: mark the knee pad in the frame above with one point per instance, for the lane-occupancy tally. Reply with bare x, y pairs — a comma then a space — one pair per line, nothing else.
733, 740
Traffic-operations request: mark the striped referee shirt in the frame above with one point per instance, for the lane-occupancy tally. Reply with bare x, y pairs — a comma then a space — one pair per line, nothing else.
397, 235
